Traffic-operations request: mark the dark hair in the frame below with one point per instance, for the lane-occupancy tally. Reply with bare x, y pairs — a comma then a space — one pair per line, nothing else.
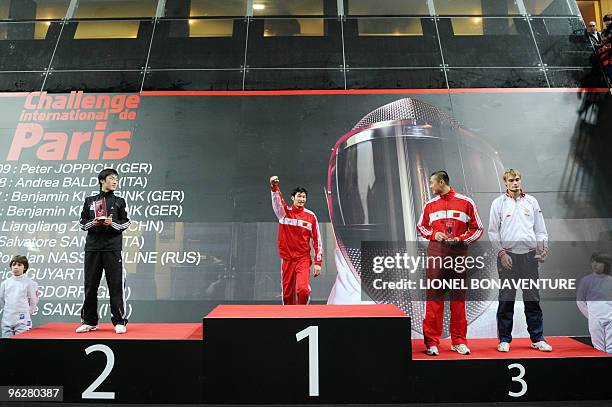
299, 189
21, 260
607, 17
604, 258
441, 175
105, 173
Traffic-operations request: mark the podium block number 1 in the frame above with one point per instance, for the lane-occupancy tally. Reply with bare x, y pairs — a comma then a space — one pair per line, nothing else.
312, 333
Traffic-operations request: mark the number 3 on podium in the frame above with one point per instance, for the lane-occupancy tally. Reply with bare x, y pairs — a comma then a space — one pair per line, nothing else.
312, 333
519, 379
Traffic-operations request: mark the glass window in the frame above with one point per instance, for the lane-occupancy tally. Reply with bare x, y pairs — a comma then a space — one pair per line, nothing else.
194, 80
27, 46
204, 44
467, 26
290, 45
391, 42
562, 41
33, 10
51, 9
210, 28
31, 30
115, 9
390, 27
205, 8
21, 81
106, 29
500, 42
41, 29
123, 47
288, 7
495, 78
298, 27
473, 26
278, 79
381, 78
99, 81
476, 7
551, 7
577, 78
386, 7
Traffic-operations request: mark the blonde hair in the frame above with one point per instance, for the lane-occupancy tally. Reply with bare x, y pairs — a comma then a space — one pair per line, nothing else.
513, 172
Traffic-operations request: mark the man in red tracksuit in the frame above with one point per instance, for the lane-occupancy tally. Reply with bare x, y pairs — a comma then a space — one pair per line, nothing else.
450, 221
296, 226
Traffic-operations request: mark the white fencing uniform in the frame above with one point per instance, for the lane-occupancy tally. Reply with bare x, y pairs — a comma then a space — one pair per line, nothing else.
18, 297
594, 299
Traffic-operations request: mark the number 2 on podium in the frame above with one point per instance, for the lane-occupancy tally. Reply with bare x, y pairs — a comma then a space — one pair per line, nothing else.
90, 392
312, 333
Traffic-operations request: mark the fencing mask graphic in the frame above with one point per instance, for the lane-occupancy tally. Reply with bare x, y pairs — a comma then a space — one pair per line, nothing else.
378, 184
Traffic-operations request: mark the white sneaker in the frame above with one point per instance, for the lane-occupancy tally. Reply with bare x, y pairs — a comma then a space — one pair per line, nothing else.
542, 345
503, 347
86, 328
432, 351
461, 349
120, 329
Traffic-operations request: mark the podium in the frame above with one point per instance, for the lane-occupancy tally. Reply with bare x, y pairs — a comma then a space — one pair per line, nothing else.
307, 354
152, 363
315, 354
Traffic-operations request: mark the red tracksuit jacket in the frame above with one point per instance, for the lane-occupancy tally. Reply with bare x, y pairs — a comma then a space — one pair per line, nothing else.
453, 214
296, 226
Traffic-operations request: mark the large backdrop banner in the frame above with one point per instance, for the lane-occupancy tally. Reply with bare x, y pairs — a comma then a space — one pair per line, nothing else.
194, 170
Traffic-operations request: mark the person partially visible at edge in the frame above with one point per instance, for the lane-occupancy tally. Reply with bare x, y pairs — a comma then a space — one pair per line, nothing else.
450, 222
104, 217
604, 53
297, 226
594, 300
592, 34
607, 19
518, 233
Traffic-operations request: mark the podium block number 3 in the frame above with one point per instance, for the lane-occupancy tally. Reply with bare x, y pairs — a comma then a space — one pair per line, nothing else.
312, 333
519, 379
90, 392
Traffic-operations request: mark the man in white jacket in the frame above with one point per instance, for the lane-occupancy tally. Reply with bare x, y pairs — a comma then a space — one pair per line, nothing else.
18, 297
518, 232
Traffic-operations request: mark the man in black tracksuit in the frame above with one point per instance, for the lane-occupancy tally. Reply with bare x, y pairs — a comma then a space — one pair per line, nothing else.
104, 217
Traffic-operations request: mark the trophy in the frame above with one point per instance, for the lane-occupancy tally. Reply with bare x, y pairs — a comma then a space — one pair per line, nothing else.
449, 232
100, 209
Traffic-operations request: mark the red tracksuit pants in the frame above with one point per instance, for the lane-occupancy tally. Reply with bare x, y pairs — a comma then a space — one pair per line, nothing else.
434, 309
295, 275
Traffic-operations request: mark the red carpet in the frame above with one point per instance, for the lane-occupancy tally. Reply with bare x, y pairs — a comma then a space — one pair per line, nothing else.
58, 330
520, 348
306, 311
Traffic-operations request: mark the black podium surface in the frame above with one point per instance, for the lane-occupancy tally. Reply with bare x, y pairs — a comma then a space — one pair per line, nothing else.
307, 354
290, 355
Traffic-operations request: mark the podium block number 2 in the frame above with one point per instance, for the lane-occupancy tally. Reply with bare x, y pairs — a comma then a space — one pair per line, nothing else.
312, 333
90, 392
